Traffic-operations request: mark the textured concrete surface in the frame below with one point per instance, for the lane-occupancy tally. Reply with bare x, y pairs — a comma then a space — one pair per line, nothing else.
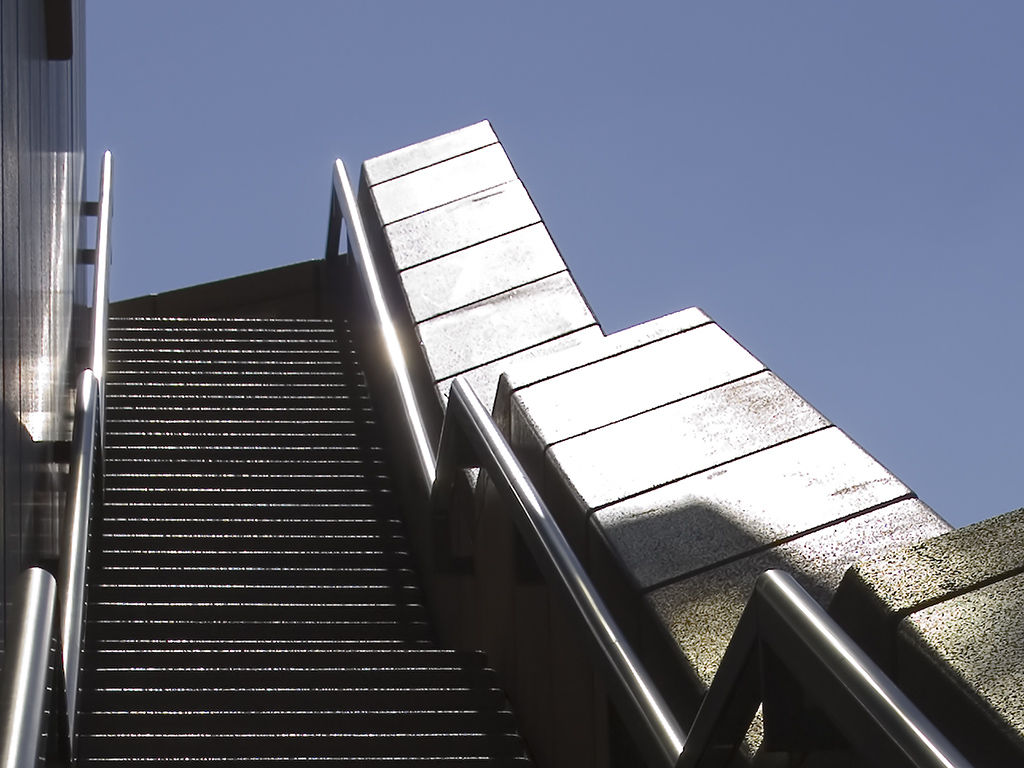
442, 183
408, 159
481, 271
962, 661
747, 504
483, 380
616, 344
482, 281
681, 438
679, 467
537, 369
978, 636
622, 386
504, 324
702, 611
460, 224
943, 618
945, 566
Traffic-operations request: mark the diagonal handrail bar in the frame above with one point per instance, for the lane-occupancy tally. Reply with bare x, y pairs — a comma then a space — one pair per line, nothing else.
345, 210
641, 704
865, 705
71, 576
101, 280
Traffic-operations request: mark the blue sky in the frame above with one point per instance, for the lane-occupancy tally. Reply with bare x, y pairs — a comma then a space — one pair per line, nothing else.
841, 186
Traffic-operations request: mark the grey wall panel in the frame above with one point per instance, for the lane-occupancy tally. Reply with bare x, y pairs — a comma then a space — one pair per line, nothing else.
42, 132
682, 438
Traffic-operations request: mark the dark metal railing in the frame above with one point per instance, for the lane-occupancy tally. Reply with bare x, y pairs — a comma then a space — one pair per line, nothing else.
781, 622
34, 681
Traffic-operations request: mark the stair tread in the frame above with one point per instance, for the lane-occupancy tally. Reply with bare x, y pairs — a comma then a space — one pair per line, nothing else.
252, 597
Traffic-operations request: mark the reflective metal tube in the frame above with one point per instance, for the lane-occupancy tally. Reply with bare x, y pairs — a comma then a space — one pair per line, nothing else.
23, 695
102, 275
794, 625
640, 701
358, 242
76, 538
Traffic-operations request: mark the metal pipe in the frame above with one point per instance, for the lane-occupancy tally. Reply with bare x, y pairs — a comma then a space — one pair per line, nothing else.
629, 682
23, 694
361, 252
72, 574
795, 621
101, 283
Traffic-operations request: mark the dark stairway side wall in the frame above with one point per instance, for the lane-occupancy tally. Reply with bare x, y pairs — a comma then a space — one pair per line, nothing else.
293, 291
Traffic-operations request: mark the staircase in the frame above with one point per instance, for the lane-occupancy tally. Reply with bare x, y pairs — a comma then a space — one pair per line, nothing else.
252, 598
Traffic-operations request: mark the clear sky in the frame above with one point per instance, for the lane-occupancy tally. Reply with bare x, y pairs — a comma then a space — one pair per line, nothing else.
839, 185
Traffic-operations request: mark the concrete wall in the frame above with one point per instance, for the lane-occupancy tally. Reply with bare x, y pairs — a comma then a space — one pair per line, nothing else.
42, 142
679, 466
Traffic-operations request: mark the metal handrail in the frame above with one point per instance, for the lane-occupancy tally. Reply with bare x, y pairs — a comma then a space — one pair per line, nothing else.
640, 702
864, 705
87, 443
345, 210
28, 666
780, 617
77, 512
23, 692
101, 282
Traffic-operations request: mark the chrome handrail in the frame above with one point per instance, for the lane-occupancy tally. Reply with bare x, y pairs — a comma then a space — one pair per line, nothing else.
344, 209
87, 442
864, 705
101, 281
73, 565
23, 692
20, 700
633, 688
640, 702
